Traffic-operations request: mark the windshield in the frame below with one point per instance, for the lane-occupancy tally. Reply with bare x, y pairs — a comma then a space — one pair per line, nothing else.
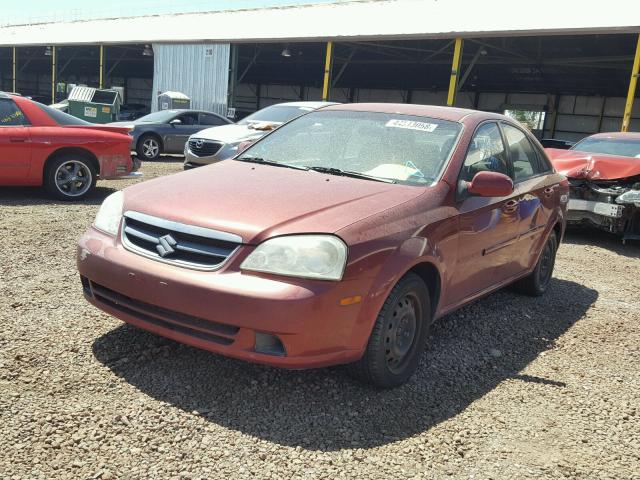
403, 148
59, 117
609, 146
163, 116
276, 114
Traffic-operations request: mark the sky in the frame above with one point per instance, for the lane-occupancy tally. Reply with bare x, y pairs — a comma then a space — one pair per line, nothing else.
37, 11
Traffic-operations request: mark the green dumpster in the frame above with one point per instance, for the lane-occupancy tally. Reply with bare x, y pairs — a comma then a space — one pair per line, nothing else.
94, 105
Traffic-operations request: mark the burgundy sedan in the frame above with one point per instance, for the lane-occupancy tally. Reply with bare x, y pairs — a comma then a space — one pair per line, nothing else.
41, 146
336, 239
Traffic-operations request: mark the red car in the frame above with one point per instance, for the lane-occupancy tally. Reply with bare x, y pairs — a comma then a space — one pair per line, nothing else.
604, 175
336, 239
43, 146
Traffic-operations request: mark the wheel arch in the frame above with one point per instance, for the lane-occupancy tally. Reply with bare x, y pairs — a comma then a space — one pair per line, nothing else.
153, 134
63, 151
431, 277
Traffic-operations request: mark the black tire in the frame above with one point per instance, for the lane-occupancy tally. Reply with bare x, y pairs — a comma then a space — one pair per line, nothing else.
70, 177
149, 147
397, 340
536, 283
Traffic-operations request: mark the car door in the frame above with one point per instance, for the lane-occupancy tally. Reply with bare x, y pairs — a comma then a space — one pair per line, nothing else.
180, 132
15, 144
488, 226
536, 192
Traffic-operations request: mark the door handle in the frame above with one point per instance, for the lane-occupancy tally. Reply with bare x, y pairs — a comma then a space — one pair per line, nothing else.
18, 139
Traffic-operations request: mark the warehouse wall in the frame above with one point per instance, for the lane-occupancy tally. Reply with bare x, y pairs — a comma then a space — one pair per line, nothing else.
575, 116
200, 71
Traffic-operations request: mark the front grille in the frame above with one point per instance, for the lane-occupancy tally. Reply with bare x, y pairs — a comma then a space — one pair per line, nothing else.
177, 243
204, 148
164, 318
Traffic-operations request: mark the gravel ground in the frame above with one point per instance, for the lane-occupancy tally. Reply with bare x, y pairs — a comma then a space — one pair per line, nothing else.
511, 387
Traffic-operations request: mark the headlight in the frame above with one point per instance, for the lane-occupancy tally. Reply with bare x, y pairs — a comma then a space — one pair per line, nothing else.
630, 196
110, 214
306, 256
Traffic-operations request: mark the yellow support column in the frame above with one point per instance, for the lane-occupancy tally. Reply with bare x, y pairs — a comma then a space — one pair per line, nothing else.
455, 71
101, 82
13, 74
53, 74
635, 71
327, 72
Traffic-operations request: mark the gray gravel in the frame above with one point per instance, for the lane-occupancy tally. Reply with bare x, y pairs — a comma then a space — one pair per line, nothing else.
511, 387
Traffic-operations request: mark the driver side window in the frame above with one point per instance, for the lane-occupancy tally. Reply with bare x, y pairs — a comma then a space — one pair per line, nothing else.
188, 119
486, 153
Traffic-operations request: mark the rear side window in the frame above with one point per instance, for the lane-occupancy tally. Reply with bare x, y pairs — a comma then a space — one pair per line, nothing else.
526, 163
212, 120
61, 118
486, 153
10, 114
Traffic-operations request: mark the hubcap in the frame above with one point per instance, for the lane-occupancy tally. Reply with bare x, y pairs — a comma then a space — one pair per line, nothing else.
401, 332
150, 148
546, 265
73, 178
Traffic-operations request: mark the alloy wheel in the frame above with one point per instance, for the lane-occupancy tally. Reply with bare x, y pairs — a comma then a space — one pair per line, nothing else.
73, 178
150, 148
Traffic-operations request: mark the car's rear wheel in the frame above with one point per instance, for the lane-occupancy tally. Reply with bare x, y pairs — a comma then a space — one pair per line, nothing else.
149, 147
398, 337
537, 282
70, 177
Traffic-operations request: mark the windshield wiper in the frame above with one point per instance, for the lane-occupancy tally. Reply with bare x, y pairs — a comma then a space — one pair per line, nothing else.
264, 161
349, 173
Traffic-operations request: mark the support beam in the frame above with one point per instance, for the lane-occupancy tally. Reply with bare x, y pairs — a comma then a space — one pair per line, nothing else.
233, 77
14, 62
101, 67
467, 72
633, 82
66, 64
249, 65
327, 72
343, 68
455, 70
53, 74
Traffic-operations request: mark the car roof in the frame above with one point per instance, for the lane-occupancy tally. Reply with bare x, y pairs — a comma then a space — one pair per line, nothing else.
617, 135
452, 114
305, 104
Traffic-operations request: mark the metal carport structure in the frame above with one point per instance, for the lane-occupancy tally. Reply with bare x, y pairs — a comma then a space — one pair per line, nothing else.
392, 29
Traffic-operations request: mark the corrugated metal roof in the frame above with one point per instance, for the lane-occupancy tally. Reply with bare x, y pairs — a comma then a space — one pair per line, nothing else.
366, 20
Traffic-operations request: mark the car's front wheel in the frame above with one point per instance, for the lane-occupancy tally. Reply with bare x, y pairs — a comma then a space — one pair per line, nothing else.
536, 283
70, 177
149, 147
399, 336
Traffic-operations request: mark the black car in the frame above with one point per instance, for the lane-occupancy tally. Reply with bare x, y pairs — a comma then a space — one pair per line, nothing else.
167, 131
132, 111
556, 143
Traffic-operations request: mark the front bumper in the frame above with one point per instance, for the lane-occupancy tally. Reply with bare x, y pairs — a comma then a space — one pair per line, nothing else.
191, 160
226, 311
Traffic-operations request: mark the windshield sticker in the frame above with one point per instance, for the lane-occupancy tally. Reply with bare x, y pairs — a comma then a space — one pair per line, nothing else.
411, 125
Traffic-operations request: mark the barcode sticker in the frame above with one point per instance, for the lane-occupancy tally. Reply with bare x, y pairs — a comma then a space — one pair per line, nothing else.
412, 125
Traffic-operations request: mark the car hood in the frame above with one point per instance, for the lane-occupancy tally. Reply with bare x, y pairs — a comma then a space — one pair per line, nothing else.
259, 201
593, 166
231, 133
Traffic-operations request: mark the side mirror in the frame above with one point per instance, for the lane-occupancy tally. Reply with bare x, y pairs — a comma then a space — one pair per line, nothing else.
175, 121
244, 145
490, 184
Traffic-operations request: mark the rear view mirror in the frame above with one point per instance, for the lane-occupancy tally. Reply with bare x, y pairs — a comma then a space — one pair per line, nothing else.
490, 184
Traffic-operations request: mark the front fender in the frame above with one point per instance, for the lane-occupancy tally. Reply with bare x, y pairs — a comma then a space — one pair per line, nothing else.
399, 261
